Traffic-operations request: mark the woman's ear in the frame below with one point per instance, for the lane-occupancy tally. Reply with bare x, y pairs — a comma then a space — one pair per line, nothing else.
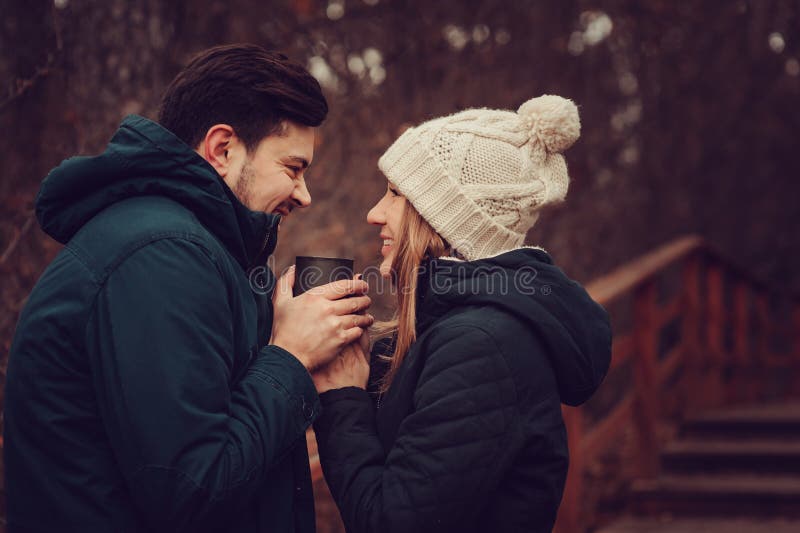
215, 147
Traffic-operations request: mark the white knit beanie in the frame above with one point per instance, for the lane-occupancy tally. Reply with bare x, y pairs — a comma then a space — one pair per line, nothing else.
479, 177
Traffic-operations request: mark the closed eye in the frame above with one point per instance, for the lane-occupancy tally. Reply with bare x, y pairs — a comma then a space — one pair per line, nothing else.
295, 163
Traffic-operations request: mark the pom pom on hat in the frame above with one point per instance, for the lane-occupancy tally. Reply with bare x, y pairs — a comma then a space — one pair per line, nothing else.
553, 120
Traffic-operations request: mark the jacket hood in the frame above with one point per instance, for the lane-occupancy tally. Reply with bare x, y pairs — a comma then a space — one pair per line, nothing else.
141, 159
525, 284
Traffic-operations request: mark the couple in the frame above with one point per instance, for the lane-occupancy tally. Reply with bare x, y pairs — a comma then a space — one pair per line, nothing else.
150, 388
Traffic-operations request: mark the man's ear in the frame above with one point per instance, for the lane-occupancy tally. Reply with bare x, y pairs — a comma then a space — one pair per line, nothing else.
215, 147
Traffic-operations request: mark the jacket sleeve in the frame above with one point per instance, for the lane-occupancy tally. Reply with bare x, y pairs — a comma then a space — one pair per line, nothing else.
190, 445
448, 451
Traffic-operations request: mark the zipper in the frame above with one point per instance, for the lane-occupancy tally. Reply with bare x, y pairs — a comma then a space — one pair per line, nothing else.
264, 245
266, 241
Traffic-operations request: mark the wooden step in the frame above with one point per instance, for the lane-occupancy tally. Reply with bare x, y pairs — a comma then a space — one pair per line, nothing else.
668, 524
761, 456
771, 421
719, 495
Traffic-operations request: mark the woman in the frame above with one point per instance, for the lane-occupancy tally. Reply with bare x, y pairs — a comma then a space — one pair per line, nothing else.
460, 428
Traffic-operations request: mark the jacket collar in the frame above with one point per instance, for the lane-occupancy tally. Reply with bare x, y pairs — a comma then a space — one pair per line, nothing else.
257, 234
143, 158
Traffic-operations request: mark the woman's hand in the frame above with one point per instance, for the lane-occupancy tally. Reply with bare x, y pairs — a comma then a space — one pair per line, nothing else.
349, 369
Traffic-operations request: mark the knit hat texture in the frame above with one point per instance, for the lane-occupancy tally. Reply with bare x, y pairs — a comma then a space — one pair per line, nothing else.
480, 177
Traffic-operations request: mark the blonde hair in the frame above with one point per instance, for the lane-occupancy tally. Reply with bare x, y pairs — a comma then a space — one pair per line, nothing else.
418, 241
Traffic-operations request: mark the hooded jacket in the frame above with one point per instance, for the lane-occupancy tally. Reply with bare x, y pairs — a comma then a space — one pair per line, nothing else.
141, 392
469, 436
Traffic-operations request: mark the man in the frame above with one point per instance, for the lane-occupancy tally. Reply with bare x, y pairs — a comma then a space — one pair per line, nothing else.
150, 387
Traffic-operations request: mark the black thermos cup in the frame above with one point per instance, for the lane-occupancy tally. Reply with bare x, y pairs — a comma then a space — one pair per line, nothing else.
313, 272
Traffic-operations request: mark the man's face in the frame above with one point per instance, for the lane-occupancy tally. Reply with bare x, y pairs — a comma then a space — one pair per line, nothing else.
271, 178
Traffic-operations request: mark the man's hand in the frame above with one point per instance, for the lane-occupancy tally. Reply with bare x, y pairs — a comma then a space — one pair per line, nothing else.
350, 369
318, 324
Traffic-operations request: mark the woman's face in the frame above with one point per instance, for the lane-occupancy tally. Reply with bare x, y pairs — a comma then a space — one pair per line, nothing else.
388, 214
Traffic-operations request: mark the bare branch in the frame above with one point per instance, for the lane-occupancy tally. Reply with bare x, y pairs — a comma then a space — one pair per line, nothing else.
24, 86
15, 241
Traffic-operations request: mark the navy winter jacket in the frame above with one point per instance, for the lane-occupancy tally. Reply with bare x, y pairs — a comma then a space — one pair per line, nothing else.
141, 393
469, 437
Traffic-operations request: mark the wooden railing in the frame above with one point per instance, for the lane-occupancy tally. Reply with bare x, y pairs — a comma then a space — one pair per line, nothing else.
712, 303
724, 329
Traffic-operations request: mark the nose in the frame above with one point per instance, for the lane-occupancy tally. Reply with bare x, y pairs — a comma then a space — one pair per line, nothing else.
377, 215
300, 195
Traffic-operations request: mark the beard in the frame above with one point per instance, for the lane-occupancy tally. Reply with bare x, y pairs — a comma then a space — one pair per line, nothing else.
244, 187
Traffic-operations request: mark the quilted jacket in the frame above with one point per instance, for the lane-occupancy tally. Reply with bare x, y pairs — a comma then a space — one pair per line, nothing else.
469, 437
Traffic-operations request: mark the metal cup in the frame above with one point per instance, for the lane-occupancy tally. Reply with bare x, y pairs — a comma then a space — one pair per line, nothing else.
313, 272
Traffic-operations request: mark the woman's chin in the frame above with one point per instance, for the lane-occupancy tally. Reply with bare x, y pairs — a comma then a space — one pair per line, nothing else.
386, 269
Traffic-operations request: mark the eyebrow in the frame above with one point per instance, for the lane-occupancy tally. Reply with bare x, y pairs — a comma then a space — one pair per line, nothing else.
302, 161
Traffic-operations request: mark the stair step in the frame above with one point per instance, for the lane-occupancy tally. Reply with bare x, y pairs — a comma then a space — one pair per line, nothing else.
764, 456
667, 524
773, 421
734, 495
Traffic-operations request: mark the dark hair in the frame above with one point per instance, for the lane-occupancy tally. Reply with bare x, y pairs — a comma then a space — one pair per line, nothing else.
245, 86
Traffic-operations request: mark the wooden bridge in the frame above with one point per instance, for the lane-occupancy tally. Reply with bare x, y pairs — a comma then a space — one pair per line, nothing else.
732, 470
